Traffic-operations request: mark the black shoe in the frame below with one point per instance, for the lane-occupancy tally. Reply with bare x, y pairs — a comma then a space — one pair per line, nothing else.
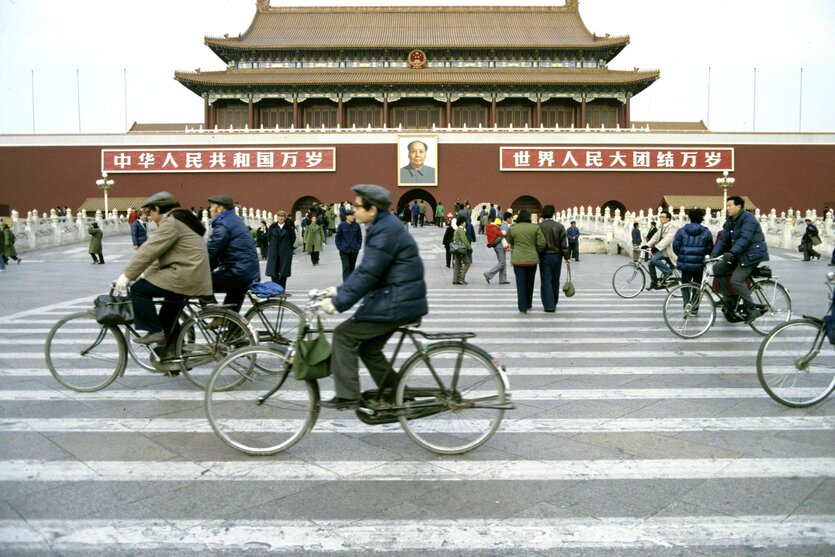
338, 403
753, 314
486, 278
505, 282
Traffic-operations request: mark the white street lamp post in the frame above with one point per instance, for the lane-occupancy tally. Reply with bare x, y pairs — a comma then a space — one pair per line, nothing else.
724, 182
104, 183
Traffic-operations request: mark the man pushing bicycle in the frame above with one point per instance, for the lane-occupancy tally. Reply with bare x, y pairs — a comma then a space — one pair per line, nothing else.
390, 282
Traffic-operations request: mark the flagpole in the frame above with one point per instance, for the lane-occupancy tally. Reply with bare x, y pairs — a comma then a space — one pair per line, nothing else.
78, 96
708, 97
754, 123
33, 101
125, 74
800, 111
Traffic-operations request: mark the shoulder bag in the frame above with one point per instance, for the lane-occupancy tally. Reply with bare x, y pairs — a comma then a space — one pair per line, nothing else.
816, 240
568, 287
313, 355
457, 248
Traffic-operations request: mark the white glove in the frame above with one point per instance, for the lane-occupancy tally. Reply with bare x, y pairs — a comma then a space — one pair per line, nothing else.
327, 306
330, 292
121, 284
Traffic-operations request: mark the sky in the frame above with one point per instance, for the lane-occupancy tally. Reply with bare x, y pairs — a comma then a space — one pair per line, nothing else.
97, 66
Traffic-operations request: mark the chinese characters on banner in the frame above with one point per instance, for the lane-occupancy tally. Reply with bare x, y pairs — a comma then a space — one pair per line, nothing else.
245, 159
632, 159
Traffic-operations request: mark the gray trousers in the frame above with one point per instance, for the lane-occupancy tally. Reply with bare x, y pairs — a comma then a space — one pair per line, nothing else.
501, 265
737, 274
354, 340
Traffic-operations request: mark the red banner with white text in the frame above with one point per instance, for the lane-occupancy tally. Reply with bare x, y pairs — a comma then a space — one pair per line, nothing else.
631, 159
245, 159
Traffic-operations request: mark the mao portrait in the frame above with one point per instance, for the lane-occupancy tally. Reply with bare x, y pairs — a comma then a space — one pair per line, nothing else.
417, 160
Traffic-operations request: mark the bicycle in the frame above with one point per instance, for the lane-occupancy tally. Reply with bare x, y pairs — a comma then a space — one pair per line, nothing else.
796, 360
449, 396
86, 356
631, 279
274, 320
690, 309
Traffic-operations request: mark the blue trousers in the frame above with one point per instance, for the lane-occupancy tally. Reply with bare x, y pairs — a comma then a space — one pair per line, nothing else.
145, 316
657, 261
525, 277
550, 267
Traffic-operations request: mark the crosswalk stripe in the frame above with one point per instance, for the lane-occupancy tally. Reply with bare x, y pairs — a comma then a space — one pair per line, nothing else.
442, 470
521, 395
450, 535
353, 426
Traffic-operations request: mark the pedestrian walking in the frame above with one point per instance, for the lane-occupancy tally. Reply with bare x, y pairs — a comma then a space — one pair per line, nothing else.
550, 259
139, 230
348, 241
8, 250
526, 240
280, 242
94, 249
313, 239
636, 241
439, 214
573, 234
262, 239
448, 233
807, 242
462, 261
497, 241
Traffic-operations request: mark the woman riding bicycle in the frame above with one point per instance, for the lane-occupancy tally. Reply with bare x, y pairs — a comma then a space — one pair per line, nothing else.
389, 280
173, 264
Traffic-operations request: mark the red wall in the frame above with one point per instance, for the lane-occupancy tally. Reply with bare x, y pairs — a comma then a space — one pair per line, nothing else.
773, 176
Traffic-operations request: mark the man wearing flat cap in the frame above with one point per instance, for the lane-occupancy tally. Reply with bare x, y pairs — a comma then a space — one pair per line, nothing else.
232, 252
348, 241
389, 281
173, 264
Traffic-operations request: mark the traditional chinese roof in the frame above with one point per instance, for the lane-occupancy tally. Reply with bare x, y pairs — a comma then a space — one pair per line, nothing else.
713, 202
117, 203
450, 78
450, 27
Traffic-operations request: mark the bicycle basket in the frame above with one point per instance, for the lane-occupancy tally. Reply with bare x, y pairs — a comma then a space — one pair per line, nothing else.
762, 272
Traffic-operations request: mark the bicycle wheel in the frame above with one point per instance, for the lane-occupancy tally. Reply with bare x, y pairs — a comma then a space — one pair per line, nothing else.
796, 363
629, 280
454, 395
689, 311
275, 321
207, 338
254, 428
777, 304
83, 355
671, 285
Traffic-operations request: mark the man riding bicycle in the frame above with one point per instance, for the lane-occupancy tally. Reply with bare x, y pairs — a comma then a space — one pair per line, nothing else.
232, 252
389, 280
173, 264
742, 246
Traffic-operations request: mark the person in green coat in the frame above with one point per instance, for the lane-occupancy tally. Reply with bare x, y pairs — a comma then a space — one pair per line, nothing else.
7, 249
314, 237
439, 215
95, 243
527, 241
461, 263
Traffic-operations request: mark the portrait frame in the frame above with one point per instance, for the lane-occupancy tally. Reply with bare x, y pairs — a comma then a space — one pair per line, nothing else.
410, 178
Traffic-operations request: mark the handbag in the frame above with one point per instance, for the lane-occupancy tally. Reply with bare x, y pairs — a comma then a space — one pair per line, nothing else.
112, 309
457, 248
816, 240
313, 355
568, 287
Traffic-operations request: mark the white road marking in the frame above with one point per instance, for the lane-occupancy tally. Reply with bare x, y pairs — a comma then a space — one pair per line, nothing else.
464, 535
438, 470
353, 426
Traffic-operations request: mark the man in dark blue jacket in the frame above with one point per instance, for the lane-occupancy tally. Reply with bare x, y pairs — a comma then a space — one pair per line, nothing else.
348, 241
390, 283
691, 244
742, 246
232, 253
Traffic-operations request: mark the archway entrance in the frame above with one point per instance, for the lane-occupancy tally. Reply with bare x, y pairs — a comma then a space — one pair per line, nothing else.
532, 204
613, 205
418, 194
303, 204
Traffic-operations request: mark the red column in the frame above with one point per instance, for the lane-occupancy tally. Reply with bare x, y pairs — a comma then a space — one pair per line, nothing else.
537, 114
212, 116
340, 114
448, 112
493, 111
627, 117
296, 113
385, 112
583, 113
251, 114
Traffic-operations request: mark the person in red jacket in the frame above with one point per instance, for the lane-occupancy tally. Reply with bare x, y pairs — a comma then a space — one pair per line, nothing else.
495, 240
